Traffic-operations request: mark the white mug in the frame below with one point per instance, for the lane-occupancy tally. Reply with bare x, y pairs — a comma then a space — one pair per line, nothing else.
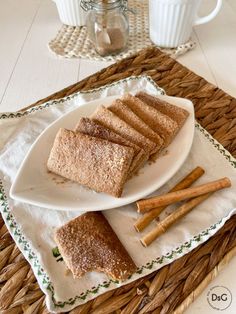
70, 12
171, 21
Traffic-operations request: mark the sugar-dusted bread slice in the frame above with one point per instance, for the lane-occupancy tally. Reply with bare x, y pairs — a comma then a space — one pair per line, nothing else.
159, 122
90, 127
178, 114
88, 243
96, 163
108, 119
127, 115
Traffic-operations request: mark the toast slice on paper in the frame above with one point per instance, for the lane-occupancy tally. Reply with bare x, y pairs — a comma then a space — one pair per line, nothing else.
88, 243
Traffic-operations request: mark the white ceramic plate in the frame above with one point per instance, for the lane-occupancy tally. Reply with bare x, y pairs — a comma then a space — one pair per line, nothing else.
34, 185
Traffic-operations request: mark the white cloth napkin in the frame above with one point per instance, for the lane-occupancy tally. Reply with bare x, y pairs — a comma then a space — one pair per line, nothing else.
32, 227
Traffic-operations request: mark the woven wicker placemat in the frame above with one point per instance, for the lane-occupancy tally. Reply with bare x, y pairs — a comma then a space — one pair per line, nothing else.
73, 41
172, 288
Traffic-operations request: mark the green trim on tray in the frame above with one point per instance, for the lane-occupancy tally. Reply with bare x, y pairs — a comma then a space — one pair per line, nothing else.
25, 112
30, 254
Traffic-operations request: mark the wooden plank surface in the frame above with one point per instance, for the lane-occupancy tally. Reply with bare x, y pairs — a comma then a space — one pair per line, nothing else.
218, 43
38, 72
15, 23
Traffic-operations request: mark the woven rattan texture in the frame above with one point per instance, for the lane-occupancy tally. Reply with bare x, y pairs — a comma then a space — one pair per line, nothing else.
173, 286
161, 292
73, 41
214, 109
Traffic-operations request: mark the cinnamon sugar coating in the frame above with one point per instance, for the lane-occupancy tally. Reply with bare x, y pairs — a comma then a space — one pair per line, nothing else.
119, 108
179, 115
88, 243
108, 119
90, 127
159, 122
96, 163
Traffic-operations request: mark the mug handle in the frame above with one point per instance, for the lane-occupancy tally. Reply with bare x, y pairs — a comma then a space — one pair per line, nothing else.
209, 17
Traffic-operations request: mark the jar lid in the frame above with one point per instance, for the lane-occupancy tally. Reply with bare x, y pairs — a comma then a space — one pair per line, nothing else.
103, 4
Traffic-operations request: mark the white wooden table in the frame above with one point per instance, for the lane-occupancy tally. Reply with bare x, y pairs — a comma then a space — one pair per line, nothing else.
30, 72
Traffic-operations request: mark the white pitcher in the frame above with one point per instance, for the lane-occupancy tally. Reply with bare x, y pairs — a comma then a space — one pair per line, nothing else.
70, 12
171, 21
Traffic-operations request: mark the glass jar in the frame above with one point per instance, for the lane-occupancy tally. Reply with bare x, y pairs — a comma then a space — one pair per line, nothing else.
107, 25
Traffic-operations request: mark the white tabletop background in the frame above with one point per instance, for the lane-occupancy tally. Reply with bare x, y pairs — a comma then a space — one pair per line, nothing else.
30, 72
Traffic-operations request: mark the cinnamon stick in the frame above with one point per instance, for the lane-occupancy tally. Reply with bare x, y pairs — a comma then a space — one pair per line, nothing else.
187, 181
173, 197
172, 218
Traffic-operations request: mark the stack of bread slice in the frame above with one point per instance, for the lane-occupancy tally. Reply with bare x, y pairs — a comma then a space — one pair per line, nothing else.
105, 150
